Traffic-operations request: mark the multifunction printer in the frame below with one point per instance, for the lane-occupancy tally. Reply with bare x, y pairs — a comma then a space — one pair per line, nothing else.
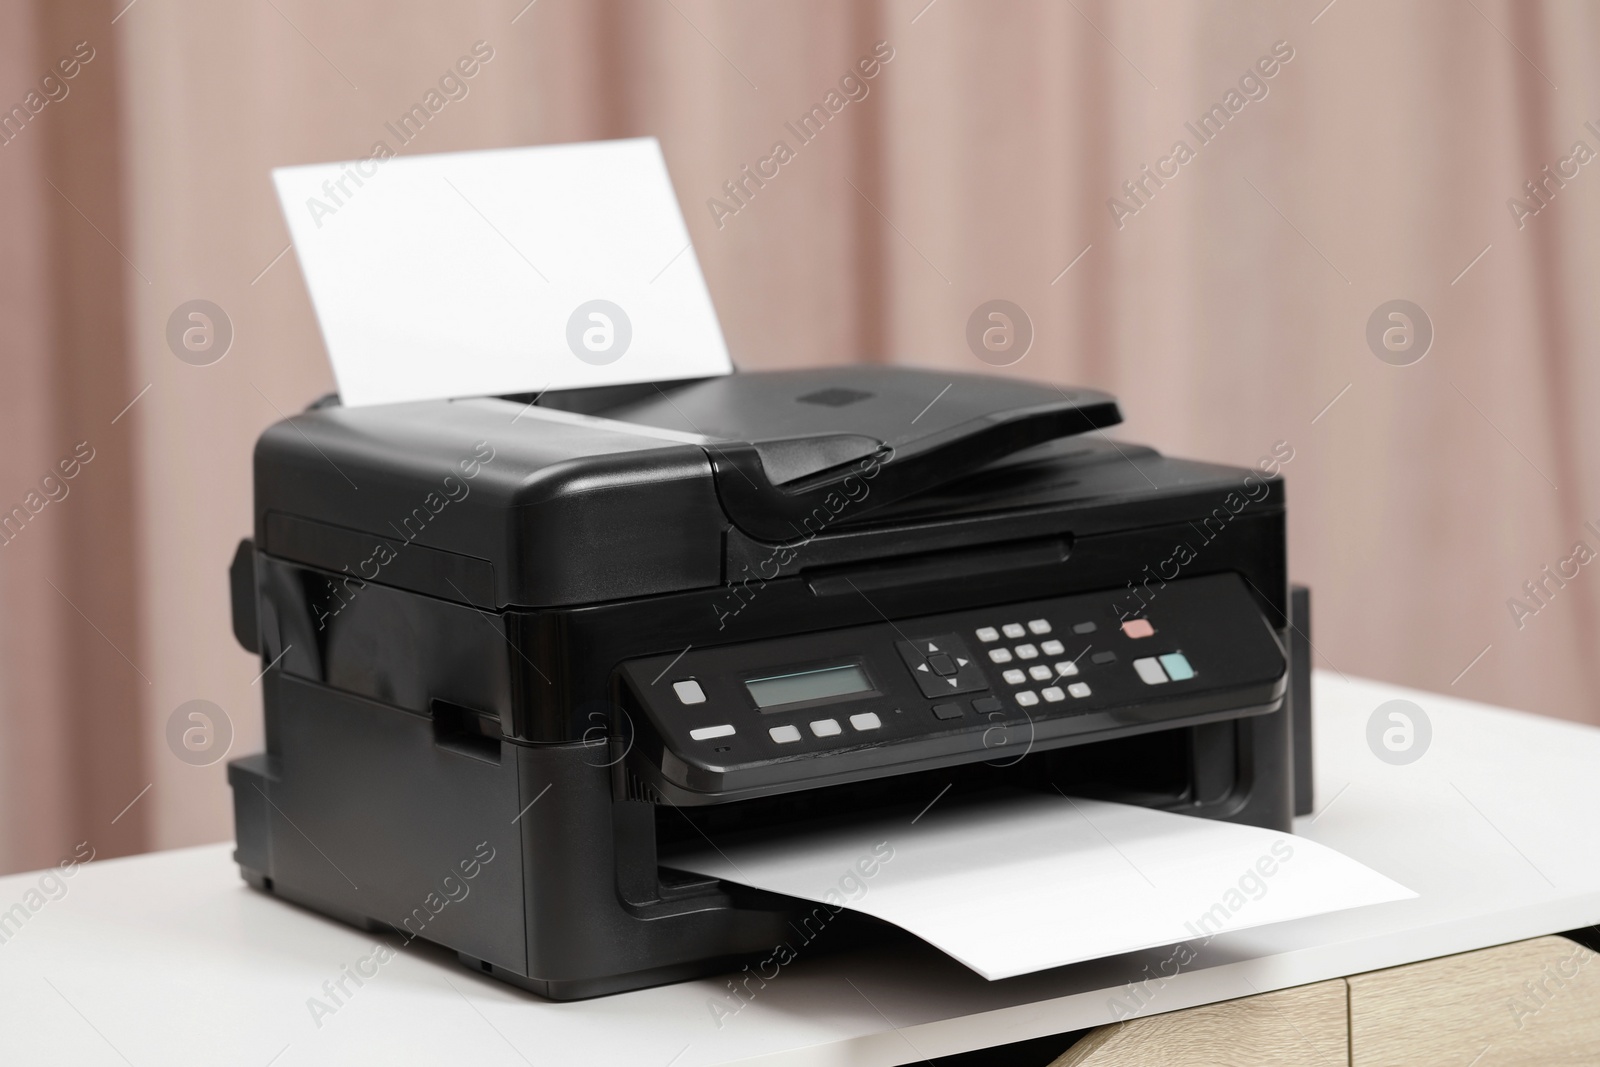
518, 650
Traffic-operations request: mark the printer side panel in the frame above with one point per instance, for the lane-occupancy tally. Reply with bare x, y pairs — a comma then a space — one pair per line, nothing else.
390, 798
359, 812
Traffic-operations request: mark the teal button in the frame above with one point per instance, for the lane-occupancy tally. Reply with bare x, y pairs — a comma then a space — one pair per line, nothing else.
1177, 666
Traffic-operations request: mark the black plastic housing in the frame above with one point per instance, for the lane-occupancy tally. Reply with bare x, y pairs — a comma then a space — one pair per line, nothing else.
467, 694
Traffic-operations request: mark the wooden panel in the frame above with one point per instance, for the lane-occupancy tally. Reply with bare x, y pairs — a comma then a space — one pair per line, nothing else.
1531, 1002
1300, 1027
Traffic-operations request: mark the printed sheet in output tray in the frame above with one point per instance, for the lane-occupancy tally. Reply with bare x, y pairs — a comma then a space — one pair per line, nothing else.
1061, 880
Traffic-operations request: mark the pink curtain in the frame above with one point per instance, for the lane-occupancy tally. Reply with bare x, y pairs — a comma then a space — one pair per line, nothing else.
1016, 150
76, 672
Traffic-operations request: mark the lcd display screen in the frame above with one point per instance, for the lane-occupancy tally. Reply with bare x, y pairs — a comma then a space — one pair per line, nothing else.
819, 684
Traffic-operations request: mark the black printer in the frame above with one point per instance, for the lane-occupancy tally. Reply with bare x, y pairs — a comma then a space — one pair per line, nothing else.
517, 650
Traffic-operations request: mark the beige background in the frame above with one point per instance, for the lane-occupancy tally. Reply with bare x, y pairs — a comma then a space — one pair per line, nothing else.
1227, 314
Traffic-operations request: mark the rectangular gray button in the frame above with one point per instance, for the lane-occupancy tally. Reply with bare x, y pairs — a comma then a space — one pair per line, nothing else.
1150, 671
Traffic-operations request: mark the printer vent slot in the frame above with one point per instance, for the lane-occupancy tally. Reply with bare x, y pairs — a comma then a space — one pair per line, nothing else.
636, 788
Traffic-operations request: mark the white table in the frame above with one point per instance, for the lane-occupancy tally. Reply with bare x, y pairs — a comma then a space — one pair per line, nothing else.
169, 959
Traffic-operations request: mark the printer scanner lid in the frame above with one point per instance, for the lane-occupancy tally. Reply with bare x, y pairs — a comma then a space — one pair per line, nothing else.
781, 443
628, 491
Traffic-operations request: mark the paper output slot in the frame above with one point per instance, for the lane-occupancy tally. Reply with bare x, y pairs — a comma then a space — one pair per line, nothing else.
1061, 879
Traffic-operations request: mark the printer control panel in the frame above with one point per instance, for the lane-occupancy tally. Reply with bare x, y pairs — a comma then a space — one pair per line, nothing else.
992, 682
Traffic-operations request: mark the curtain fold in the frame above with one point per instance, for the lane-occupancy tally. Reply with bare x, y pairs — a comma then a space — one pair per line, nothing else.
1015, 150
73, 665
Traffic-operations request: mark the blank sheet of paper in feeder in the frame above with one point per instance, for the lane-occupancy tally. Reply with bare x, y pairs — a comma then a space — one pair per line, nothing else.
498, 272
1019, 884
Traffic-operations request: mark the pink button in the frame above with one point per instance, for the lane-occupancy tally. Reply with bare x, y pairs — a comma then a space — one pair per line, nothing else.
1138, 628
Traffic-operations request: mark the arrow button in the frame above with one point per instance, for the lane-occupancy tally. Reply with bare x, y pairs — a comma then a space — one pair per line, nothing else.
942, 665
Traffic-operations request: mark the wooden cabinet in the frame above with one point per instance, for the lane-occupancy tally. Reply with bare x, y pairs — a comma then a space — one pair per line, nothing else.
1300, 1027
1533, 1002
